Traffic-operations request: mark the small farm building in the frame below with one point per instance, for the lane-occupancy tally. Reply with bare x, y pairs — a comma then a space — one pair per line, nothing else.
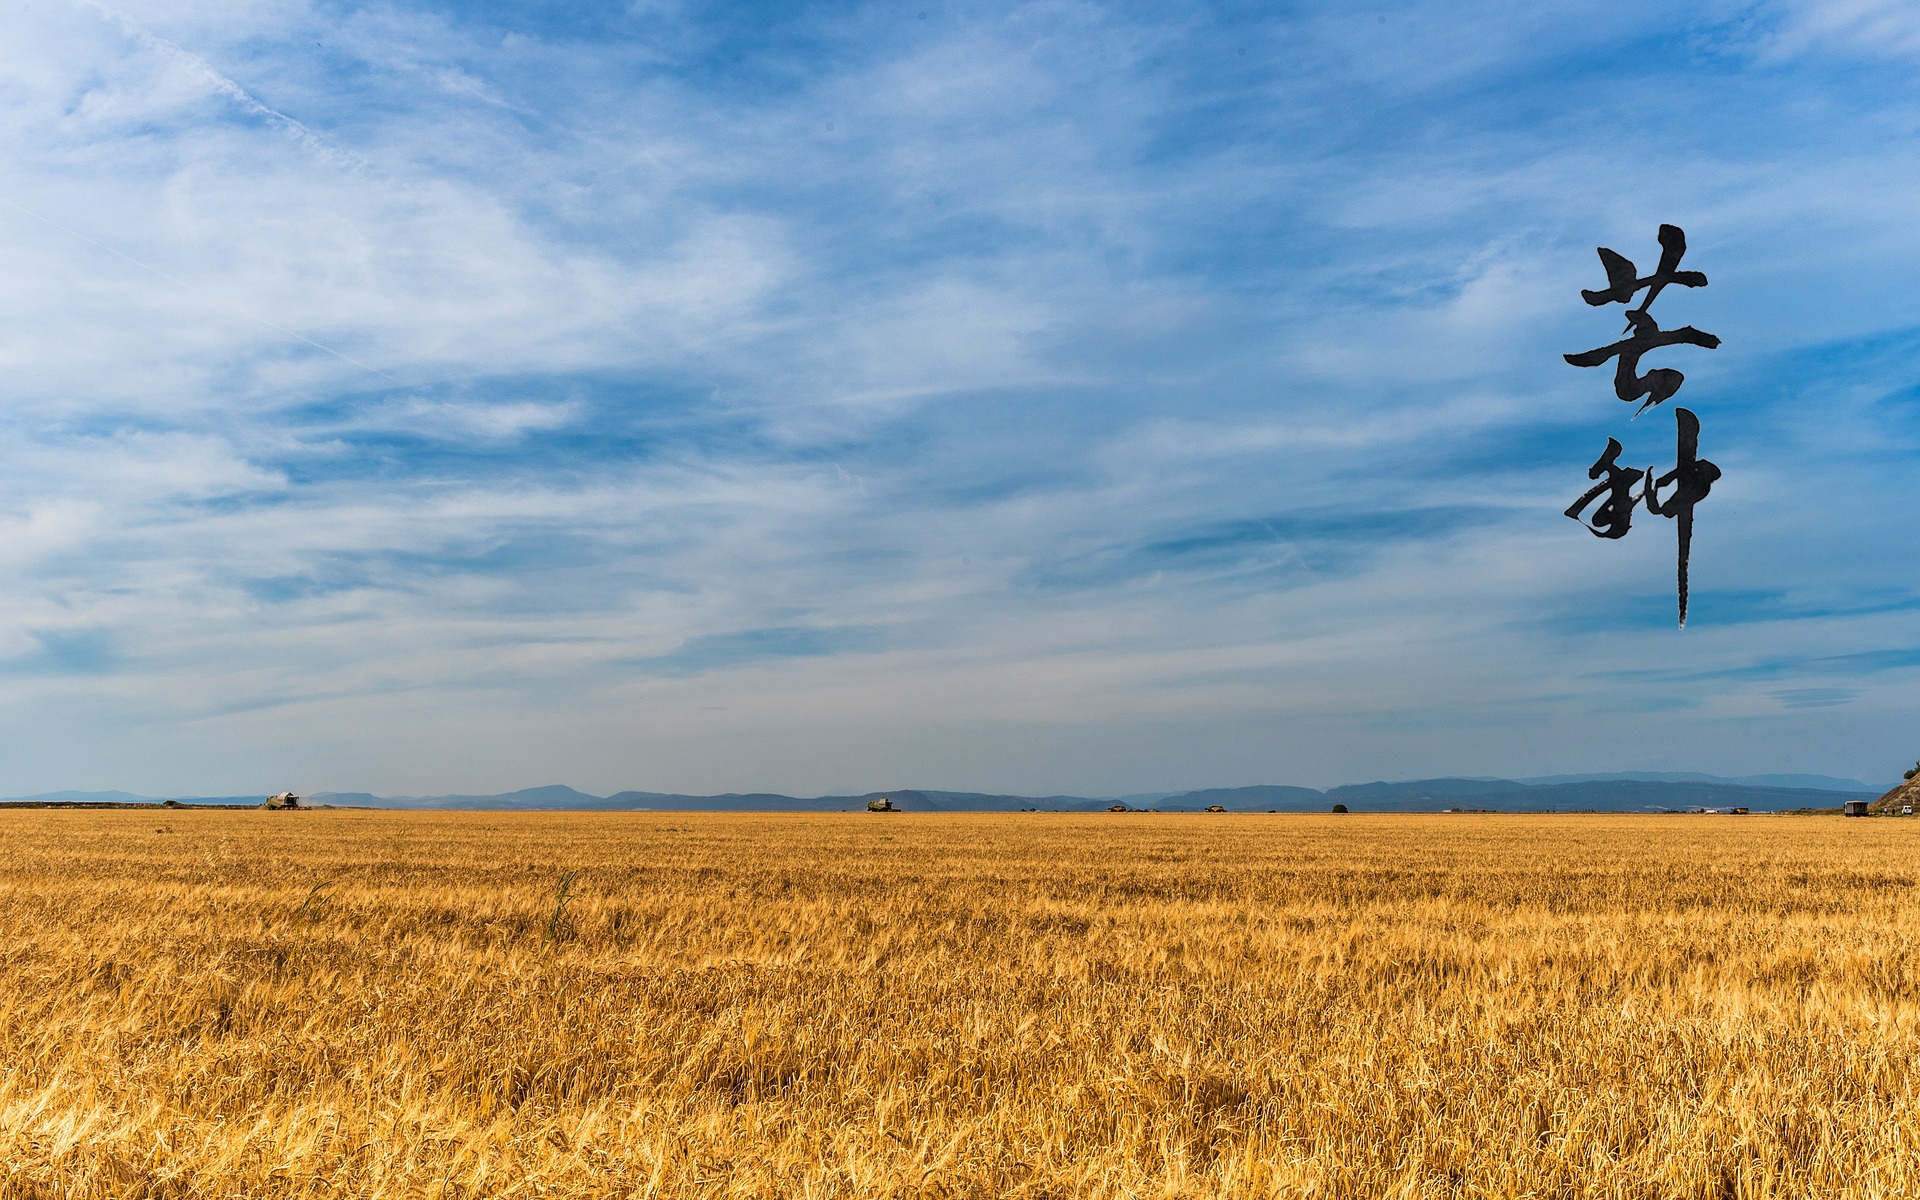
1856, 808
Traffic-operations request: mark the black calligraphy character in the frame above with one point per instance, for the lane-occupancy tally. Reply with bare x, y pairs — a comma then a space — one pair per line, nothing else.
1623, 278
1692, 478
1615, 515
1661, 382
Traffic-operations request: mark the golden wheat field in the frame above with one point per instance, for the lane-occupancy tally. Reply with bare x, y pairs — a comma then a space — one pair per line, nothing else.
363, 1004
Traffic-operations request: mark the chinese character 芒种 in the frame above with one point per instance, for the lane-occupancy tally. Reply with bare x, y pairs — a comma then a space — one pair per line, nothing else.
1692, 476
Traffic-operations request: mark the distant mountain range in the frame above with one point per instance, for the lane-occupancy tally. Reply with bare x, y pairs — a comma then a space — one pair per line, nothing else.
130, 798
1620, 792
1821, 783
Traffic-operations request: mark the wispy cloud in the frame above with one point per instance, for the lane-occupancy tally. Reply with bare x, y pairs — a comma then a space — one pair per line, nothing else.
750, 647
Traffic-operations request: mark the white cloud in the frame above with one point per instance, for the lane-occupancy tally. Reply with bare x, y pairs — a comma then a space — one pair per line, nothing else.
1877, 28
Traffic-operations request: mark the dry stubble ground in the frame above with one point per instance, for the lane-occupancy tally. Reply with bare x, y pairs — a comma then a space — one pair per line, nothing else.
376, 1004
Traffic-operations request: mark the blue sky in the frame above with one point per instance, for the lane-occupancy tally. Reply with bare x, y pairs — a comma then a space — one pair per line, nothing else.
1029, 397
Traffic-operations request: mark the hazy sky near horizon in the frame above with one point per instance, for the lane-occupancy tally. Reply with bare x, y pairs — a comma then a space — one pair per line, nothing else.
1050, 397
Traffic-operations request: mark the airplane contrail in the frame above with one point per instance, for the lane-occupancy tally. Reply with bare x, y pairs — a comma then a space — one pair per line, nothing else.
225, 86
220, 83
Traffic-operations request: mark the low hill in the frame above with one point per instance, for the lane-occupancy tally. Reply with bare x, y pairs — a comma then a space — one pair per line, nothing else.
1621, 795
1261, 797
1818, 783
109, 797
552, 796
1896, 799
